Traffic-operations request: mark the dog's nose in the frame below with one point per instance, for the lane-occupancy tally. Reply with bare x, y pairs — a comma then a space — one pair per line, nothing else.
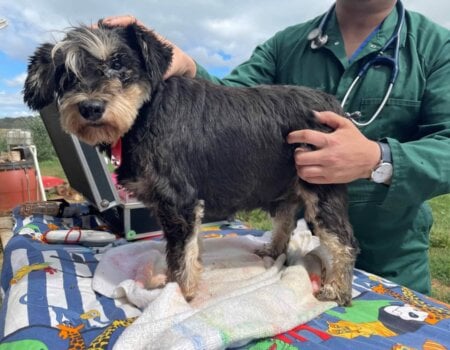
91, 110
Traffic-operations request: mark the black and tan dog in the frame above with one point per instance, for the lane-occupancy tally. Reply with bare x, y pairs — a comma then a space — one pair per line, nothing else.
189, 143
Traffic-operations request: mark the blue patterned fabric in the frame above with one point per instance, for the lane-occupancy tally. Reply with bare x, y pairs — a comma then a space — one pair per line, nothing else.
48, 302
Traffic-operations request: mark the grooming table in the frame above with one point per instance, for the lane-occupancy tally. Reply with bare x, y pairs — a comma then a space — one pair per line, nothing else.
49, 303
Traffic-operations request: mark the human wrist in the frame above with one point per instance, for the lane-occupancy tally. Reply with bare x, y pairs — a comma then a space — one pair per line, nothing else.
186, 65
191, 67
374, 157
382, 173
182, 64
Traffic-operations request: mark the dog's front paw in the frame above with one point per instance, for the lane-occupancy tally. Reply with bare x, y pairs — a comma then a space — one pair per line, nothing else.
334, 292
189, 293
188, 279
189, 287
156, 281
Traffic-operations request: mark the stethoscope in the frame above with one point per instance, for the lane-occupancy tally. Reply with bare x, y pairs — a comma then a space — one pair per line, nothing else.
318, 38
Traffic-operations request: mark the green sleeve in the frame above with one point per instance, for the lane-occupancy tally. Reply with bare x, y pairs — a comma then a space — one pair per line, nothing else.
258, 69
422, 167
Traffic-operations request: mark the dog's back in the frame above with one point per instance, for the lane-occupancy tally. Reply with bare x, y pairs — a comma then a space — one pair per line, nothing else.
226, 145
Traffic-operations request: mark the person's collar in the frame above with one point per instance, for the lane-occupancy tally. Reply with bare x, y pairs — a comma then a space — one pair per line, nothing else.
388, 27
384, 33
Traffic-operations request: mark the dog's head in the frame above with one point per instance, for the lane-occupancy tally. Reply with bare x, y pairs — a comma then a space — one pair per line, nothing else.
100, 78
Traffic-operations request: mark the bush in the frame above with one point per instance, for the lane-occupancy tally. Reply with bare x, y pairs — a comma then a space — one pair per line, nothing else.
45, 150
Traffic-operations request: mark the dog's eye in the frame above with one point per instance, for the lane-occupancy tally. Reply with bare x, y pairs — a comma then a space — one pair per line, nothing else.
67, 81
116, 65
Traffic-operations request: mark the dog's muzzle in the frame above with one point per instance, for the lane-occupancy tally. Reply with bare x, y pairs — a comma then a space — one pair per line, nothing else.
91, 110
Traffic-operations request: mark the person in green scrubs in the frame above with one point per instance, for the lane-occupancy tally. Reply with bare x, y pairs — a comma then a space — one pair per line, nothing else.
389, 213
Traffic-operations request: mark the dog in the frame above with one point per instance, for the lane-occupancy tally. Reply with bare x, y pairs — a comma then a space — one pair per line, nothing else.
189, 145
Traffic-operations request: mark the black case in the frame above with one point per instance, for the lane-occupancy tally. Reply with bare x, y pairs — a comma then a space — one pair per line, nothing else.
87, 172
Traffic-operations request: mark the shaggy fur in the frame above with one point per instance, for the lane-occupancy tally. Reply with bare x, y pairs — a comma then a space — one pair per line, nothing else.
190, 145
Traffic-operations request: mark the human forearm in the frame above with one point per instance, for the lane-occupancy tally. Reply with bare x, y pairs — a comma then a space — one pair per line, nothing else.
258, 69
421, 170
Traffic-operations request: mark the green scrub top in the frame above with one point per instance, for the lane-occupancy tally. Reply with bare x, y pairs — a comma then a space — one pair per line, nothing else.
392, 223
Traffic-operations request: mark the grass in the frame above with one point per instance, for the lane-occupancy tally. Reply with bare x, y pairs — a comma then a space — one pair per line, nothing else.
439, 237
257, 219
440, 247
52, 168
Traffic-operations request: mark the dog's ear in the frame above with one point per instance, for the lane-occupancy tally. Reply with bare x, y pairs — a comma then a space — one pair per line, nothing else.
155, 55
39, 88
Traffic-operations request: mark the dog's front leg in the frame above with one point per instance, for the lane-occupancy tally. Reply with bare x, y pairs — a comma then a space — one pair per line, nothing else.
181, 228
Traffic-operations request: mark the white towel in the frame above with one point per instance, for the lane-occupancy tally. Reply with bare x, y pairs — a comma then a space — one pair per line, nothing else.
241, 296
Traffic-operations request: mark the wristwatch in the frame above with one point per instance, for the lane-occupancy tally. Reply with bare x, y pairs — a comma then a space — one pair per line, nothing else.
382, 173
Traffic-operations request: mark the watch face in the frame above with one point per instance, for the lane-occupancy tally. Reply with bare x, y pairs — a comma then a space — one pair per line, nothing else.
382, 173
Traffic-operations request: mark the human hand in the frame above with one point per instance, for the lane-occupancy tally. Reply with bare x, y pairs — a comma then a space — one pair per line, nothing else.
182, 64
342, 156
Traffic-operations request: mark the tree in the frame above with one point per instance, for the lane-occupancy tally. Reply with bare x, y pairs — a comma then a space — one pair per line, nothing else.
45, 150
3, 144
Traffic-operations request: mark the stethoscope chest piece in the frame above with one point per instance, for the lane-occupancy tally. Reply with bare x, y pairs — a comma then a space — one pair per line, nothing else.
317, 38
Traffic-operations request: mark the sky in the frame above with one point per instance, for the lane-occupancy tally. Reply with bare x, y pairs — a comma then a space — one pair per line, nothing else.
219, 34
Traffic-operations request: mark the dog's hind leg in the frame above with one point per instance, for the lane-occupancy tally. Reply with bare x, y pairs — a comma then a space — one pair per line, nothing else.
181, 229
326, 213
283, 222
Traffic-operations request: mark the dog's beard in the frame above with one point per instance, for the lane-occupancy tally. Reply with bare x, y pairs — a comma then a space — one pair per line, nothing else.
122, 106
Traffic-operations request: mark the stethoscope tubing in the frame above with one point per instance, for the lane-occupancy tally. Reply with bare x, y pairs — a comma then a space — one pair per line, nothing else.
318, 39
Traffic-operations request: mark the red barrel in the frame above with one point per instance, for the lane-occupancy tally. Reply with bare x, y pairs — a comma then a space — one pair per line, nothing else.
18, 184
